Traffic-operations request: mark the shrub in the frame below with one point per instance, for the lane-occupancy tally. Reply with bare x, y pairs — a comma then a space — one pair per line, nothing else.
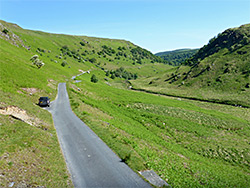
82, 43
41, 50
107, 73
112, 76
93, 60
94, 79
126, 158
5, 31
122, 73
64, 63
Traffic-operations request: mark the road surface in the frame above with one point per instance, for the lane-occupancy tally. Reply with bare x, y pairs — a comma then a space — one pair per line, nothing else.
89, 160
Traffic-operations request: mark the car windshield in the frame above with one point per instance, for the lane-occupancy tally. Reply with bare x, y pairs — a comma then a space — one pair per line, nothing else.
43, 98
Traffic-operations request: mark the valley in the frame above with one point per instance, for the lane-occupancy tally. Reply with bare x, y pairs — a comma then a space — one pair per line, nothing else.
187, 143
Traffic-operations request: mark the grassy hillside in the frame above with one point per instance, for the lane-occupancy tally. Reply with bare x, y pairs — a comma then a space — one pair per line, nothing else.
217, 72
176, 57
222, 64
30, 155
188, 143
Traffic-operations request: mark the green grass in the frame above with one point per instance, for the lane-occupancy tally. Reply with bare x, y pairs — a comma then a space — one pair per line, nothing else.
45, 165
28, 158
188, 143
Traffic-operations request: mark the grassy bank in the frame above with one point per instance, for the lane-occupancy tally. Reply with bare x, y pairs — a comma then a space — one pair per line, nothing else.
188, 143
30, 155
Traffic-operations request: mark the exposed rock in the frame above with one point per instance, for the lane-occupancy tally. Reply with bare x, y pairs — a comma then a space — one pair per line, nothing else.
30, 90
11, 184
20, 114
16, 112
13, 38
153, 178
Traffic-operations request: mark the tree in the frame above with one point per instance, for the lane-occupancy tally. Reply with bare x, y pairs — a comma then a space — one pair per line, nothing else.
94, 79
64, 63
107, 73
5, 31
35, 61
112, 76
93, 60
82, 43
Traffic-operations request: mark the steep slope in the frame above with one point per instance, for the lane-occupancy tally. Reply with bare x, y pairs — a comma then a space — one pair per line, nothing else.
222, 64
65, 54
219, 71
176, 57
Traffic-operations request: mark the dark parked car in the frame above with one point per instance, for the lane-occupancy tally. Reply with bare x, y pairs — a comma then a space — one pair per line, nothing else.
44, 101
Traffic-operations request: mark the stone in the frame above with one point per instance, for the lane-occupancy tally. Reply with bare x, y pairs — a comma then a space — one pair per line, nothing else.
153, 178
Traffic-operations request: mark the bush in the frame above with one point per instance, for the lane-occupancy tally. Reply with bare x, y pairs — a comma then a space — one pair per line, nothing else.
112, 76
93, 60
94, 79
82, 43
107, 73
5, 31
122, 73
64, 63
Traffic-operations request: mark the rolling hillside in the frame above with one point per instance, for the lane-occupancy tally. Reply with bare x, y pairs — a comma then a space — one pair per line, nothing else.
176, 57
187, 143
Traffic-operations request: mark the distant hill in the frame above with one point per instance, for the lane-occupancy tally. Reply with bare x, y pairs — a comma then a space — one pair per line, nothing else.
176, 57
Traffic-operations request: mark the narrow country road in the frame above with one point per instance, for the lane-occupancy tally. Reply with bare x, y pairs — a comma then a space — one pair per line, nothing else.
90, 161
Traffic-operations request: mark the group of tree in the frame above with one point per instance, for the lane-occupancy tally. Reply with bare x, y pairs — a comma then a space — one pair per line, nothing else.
121, 73
139, 54
176, 57
71, 53
106, 51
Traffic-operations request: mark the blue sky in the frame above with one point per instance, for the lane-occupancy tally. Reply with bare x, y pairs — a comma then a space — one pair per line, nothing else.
157, 25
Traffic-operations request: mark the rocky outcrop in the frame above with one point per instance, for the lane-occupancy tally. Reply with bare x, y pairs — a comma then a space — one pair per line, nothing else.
10, 36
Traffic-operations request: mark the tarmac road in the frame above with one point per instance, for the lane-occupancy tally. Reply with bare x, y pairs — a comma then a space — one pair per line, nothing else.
89, 160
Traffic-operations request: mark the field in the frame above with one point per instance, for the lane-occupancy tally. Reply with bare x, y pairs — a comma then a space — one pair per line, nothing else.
188, 143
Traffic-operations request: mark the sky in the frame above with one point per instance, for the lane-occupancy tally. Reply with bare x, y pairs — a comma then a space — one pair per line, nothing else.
156, 25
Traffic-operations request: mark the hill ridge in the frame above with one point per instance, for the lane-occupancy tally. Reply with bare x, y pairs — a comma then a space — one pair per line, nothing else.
178, 56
